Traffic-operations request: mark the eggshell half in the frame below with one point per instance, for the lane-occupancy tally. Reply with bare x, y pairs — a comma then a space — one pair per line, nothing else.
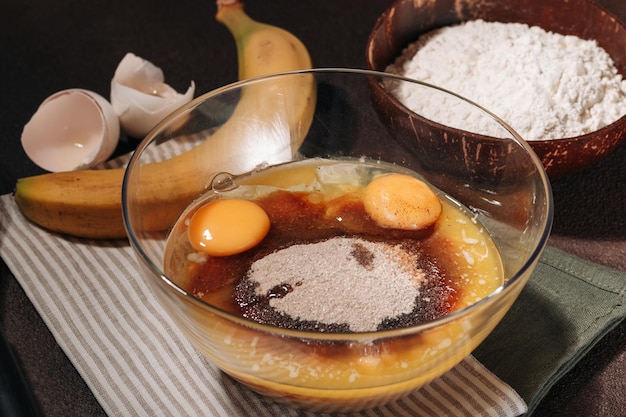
72, 129
140, 96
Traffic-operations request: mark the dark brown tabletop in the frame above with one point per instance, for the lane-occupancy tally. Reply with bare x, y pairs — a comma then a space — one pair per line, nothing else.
47, 46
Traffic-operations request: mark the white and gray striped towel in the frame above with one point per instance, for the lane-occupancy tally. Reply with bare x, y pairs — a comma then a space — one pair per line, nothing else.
137, 363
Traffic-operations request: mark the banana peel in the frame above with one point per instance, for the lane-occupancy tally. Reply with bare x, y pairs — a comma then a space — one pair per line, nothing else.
88, 203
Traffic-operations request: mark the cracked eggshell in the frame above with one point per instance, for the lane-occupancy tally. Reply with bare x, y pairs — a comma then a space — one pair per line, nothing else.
72, 129
140, 96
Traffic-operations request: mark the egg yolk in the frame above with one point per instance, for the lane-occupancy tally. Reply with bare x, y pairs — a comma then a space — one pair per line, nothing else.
401, 202
227, 227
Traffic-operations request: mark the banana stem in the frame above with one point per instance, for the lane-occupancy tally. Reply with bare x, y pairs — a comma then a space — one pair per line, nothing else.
231, 14
221, 3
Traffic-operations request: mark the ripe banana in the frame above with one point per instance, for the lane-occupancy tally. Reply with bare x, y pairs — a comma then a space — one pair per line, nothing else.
270, 120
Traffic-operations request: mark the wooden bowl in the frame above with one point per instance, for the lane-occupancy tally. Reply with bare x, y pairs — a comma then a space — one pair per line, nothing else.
403, 22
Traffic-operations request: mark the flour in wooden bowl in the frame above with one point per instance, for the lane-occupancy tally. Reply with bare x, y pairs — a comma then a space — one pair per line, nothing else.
544, 85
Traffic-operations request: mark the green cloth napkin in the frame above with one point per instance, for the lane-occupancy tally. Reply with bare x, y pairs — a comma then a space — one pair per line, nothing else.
567, 306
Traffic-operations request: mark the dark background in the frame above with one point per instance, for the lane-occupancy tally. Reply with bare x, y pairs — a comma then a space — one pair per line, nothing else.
47, 46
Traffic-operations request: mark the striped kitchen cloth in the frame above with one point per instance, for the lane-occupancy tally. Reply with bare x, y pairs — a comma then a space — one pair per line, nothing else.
110, 325
138, 363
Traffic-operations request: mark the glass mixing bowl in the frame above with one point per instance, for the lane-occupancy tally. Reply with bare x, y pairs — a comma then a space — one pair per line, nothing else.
246, 136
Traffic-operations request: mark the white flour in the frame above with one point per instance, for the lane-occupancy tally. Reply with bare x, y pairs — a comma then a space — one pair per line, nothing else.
544, 85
